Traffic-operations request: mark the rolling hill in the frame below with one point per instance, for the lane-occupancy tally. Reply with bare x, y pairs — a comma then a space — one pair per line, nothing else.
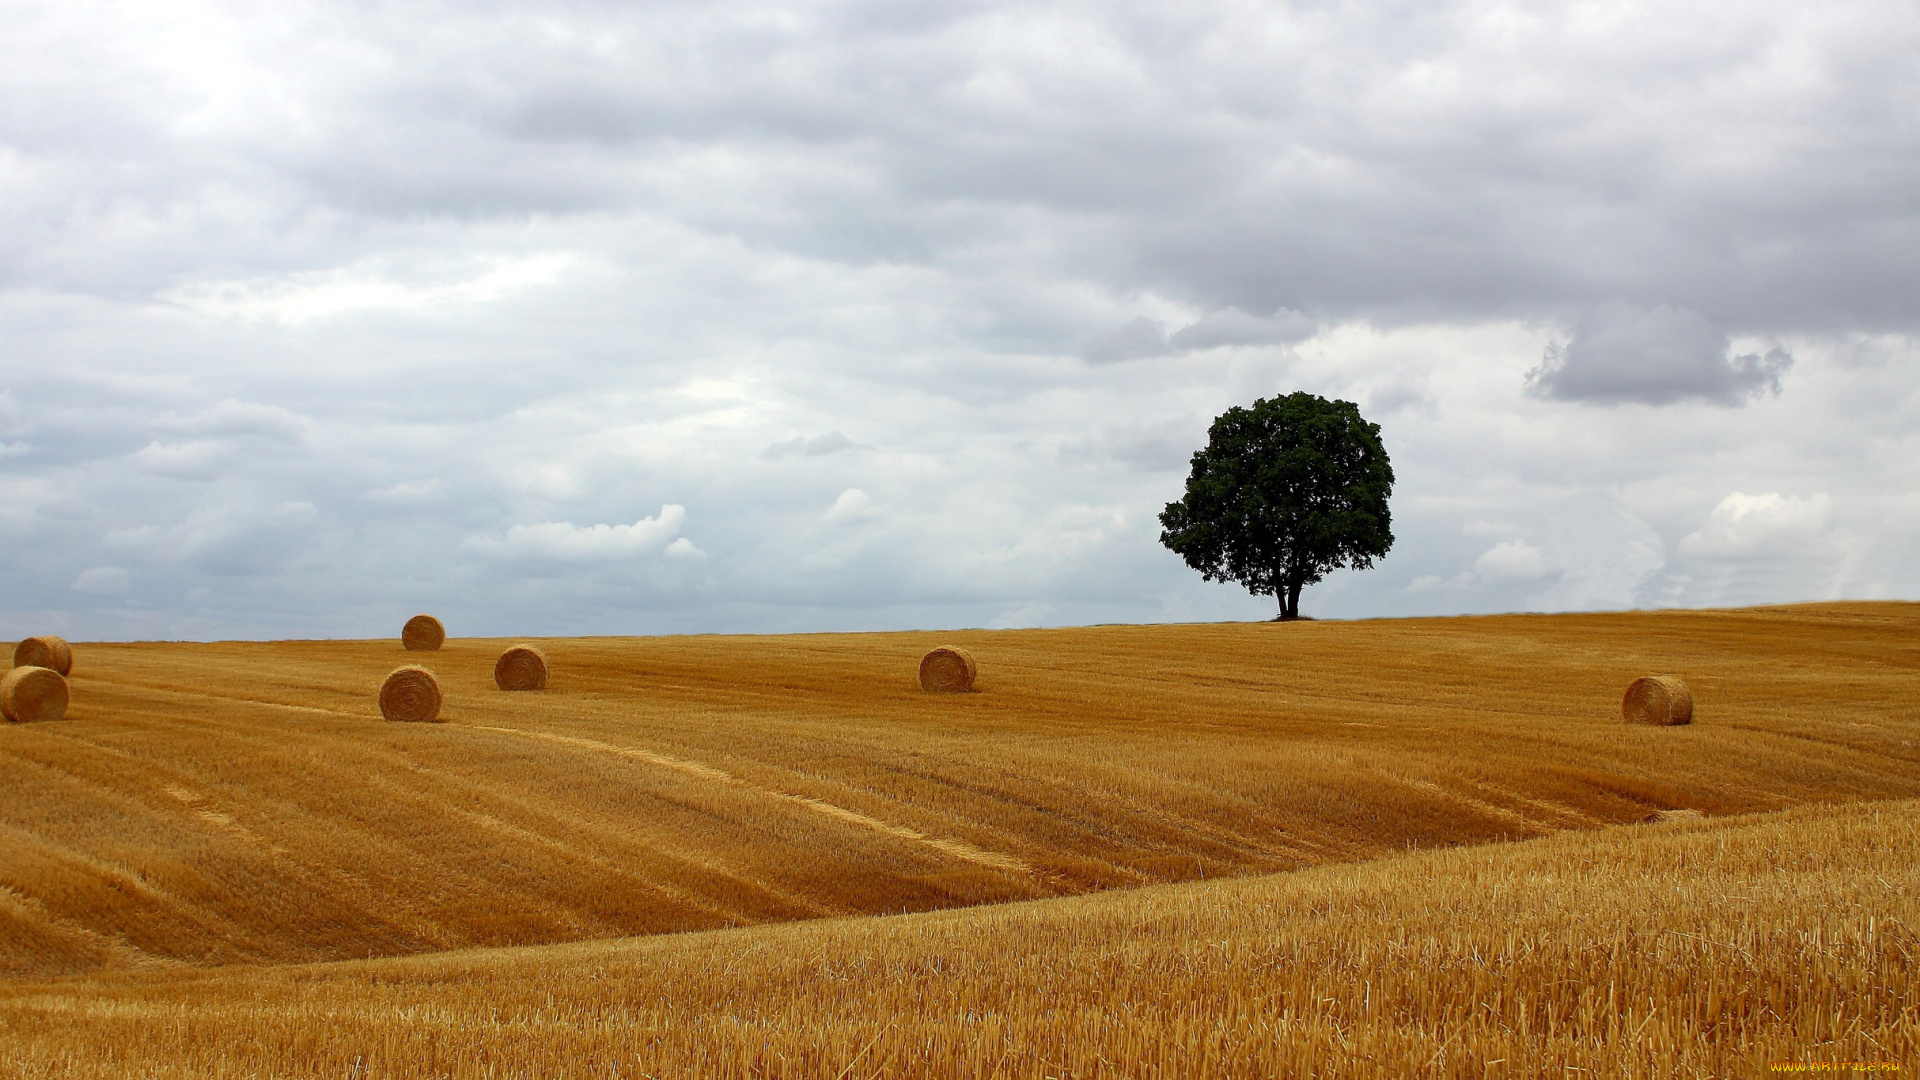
210, 804
1716, 948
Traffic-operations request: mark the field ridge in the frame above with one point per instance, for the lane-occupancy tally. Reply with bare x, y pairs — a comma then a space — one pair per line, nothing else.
1709, 948
241, 802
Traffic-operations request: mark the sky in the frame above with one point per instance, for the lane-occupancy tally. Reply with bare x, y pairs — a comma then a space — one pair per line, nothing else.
584, 318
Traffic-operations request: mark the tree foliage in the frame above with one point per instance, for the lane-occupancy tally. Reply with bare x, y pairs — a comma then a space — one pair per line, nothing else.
1285, 491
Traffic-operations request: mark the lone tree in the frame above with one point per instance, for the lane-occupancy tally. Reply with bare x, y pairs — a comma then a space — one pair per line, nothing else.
1285, 491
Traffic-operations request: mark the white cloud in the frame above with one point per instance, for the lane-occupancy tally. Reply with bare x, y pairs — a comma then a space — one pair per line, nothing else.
103, 581
1511, 560
222, 539
852, 506
217, 438
303, 297
1578, 551
833, 442
232, 418
417, 493
1610, 555
198, 459
565, 541
1772, 525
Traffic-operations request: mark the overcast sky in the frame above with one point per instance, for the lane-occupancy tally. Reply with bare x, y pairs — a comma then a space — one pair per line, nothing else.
569, 318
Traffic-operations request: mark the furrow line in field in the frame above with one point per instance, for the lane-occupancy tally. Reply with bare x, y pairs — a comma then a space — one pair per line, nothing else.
566, 844
136, 689
958, 849
1491, 810
123, 881
29, 912
1548, 809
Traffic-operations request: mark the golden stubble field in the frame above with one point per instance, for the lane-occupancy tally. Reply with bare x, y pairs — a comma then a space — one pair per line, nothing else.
212, 813
1698, 949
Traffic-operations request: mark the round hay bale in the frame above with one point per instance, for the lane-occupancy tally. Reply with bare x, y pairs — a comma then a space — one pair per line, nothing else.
33, 693
410, 693
522, 667
423, 633
1661, 700
45, 651
947, 670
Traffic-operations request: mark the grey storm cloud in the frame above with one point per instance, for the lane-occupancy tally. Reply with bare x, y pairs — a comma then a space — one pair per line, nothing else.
1142, 338
1656, 357
1136, 339
1386, 162
315, 316
1234, 327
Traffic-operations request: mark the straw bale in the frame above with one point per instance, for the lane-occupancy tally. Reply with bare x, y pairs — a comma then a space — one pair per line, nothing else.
45, 651
947, 670
1662, 700
410, 693
30, 692
423, 633
522, 667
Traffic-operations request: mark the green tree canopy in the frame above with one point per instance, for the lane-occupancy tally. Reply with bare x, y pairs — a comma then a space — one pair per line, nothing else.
1285, 491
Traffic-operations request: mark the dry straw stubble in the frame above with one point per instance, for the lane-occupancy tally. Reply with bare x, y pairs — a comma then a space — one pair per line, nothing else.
45, 651
33, 693
948, 670
522, 667
1595, 955
1661, 700
423, 633
411, 693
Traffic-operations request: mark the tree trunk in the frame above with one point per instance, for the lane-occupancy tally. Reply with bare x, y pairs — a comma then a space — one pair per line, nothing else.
1288, 594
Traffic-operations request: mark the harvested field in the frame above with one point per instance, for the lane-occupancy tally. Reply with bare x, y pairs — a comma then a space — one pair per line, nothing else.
243, 803
1706, 948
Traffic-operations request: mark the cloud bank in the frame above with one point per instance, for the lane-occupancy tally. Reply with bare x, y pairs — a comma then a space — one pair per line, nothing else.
563, 540
1656, 357
317, 317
